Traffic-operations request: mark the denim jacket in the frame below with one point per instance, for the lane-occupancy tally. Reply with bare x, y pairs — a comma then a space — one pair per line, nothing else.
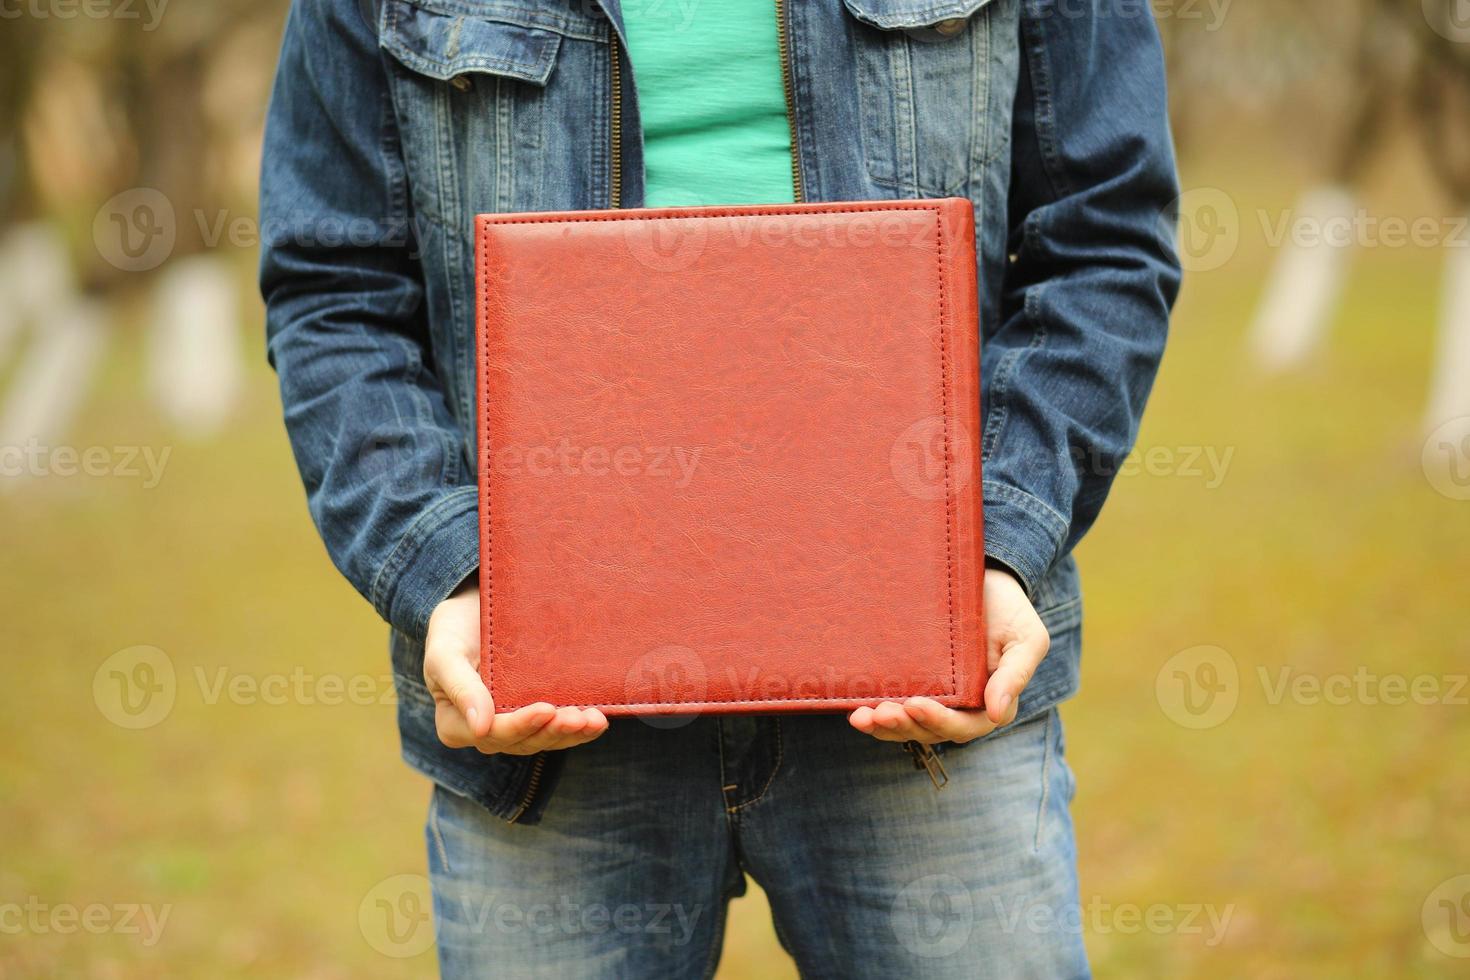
393, 122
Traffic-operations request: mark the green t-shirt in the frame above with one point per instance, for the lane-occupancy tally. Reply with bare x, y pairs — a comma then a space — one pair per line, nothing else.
712, 102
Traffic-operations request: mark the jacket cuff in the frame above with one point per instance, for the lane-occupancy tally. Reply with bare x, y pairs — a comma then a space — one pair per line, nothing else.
1021, 533
438, 552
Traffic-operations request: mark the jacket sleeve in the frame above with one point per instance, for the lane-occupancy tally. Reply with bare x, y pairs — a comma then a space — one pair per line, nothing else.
1092, 276
384, 462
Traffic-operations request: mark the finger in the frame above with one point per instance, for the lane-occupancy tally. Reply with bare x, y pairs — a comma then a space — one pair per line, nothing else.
534, 717
597, 724
591, 725
1018, 663
562, 723
948, 724
866, 719
569, 727
509, 727
890, 723
452, 674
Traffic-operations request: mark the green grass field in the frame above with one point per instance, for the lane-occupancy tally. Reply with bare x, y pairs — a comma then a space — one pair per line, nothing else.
1316, 831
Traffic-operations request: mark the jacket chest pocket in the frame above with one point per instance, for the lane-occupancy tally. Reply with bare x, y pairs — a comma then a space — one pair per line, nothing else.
935, 82
484, 93
468, 83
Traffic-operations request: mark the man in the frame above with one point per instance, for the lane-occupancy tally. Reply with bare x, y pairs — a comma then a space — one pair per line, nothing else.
560, 846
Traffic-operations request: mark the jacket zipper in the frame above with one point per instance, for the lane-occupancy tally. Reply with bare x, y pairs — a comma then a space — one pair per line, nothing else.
615, 130
532, 785
614, 200
788, 84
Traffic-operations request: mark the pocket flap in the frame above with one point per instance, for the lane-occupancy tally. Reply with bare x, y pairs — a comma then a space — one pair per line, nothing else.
442, 43
911, 14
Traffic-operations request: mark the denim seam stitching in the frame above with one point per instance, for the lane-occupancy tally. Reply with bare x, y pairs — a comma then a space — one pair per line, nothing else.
720, 748
600, 170
996, 410
996, 140
1011, 359
979, 70
1043, 108
1045, 782
448, 778
804, 135
445, 169
398, 46
526, 71
1028, 503
922, 15
505, 130
909, 131
419, 532
776, 768
1064, 614
717, 940
438, 835
537, 21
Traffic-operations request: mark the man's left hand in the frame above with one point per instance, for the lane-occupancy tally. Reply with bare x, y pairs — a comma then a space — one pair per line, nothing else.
1015, 643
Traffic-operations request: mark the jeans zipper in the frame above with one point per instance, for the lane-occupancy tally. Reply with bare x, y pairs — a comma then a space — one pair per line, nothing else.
532, 785
927, 759
788, 85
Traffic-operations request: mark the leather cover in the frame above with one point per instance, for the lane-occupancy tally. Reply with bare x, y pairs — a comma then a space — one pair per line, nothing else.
729, 457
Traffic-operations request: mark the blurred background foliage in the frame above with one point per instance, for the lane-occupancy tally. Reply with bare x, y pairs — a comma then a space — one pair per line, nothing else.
1292, 536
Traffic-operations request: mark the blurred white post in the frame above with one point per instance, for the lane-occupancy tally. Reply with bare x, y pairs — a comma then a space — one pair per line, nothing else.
1304, 285
194, 357
54, 377
35, 277
1449, 385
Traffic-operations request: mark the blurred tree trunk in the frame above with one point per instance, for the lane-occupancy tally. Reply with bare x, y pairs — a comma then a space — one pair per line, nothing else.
18, 55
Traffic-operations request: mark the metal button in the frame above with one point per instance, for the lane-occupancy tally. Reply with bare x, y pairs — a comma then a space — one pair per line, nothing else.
951, 26
461, 82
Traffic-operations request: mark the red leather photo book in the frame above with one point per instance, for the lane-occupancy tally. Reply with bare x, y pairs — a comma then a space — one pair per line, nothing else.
729, 457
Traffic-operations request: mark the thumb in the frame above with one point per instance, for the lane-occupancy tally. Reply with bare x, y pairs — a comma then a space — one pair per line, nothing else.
1019, 659
455, 674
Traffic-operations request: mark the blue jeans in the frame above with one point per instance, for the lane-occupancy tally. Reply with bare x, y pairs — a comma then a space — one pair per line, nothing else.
870, 872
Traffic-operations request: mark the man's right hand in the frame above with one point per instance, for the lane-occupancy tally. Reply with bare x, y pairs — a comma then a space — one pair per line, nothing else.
464, 713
